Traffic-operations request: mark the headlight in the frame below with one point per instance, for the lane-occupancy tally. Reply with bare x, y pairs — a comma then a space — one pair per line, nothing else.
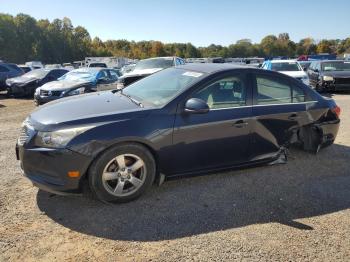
305, 77
77, 91
59, 138
37, 91
328, 78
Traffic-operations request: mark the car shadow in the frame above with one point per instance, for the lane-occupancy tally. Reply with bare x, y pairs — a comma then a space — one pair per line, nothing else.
3, 95
308, 185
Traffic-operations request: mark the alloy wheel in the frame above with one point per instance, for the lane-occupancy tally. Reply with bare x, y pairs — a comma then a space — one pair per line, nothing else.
124, 175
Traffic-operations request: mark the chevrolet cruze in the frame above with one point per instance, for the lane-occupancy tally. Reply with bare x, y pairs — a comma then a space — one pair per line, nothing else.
191, 119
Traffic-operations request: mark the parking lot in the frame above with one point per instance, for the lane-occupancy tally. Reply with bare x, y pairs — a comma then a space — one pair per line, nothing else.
296, 211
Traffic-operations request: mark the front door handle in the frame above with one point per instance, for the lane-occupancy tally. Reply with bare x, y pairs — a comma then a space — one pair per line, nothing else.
240, 123
293, 117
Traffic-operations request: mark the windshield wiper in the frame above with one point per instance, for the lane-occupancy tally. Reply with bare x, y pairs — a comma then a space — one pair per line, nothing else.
135, 101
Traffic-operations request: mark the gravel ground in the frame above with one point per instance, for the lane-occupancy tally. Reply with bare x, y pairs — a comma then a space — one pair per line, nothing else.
299, 211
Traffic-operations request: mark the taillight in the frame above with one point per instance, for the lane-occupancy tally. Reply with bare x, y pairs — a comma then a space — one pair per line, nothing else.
336, 110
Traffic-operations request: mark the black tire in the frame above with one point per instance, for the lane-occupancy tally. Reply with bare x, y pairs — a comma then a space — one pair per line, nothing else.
96, 170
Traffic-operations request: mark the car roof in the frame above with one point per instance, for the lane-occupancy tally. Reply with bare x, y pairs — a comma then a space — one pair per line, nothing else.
210, 68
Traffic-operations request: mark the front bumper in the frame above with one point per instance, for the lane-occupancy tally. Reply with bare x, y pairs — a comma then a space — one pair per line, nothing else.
336, 87
16, 90
39, 100
48, 168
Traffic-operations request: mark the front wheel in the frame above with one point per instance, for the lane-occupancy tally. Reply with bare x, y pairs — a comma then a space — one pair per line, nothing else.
122, 173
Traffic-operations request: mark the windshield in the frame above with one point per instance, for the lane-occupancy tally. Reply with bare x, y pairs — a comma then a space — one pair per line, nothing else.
79, 75
15, 67
160, 88
37, 73
336, 66
154, 63
286, 66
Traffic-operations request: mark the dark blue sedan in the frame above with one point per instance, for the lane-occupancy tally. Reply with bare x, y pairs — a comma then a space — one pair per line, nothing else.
192, 119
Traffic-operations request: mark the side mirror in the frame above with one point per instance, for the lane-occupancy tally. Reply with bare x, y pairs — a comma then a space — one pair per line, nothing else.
316, 70
196, 106
305, 69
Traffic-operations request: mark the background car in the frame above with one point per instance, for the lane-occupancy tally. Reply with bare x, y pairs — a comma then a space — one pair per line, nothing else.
127, 69
94, 64
288, 67
147, 67
34, 65
53, 66
26, 84
196, 118
78, 81
8, 70
305, 64
330, 75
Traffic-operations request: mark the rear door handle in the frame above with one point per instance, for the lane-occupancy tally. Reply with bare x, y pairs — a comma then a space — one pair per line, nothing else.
240, 123
293, 116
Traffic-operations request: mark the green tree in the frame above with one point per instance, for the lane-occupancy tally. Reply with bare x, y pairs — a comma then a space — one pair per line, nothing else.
8, 39
306, 46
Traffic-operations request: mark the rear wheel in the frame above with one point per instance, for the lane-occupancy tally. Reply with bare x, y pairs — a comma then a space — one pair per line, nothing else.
122, 173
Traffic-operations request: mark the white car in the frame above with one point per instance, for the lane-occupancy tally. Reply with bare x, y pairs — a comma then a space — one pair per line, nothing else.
288, 67
34, 65
148, 67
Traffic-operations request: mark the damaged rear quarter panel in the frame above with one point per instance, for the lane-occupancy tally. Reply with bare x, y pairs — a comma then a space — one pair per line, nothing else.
277, 126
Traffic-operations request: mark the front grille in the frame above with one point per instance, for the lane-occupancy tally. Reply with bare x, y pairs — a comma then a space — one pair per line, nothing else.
44, 93
342, 81
50, 93
55, 93
27, 132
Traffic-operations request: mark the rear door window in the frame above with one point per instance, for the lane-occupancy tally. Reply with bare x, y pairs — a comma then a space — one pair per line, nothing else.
271, 90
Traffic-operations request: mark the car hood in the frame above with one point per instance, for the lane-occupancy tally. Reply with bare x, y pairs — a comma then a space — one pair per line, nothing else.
341, 74
148, 71
20, 80
62, 85
85, 109
294, 73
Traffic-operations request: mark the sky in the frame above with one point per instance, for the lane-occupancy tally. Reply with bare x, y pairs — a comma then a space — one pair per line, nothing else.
201, 22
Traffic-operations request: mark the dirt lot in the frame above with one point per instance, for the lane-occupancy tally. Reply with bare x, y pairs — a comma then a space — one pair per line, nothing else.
299, 211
